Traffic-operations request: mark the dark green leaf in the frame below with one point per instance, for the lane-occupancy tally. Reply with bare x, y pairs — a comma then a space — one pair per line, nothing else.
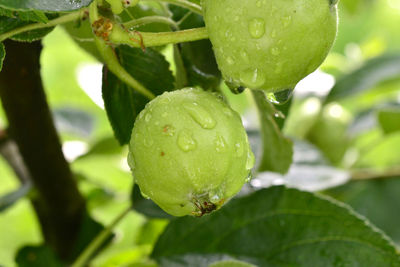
389, 119
150, 231
122, 103
277, 149
33, 16
198, 57
146, 206
376, 199
372, 73
37, 256
277, 227
9, 199
8, 24
2, 55
90, 229
45, 5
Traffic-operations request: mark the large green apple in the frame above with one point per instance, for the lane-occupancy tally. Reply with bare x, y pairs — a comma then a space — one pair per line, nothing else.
270, 44
189, 152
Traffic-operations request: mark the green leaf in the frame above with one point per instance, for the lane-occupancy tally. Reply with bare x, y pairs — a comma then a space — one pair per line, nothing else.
231, 263
8, 24
389, 120
104, 146
150, 231
277, 227
376, 199
122, 102
382, 154
372, 73
38, 256
133, 257
2, 55
45, 5
277, 149
34, 16
89, 230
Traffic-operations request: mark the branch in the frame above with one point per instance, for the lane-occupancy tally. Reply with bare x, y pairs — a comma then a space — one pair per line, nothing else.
121, 36
58, 203
184, 3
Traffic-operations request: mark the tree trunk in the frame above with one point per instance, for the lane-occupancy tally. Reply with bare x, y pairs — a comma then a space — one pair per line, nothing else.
58, 203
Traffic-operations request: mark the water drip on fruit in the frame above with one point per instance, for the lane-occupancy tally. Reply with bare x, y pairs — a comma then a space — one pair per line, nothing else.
239, 149
249, 177
281, 97
214, 197
168, 130
148, 142
185, 141
200, 115
250, 160
220, 143
257, 28
144, 195
253, 78
147, 118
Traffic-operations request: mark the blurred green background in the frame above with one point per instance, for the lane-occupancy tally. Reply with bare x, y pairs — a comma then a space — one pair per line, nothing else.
358, 133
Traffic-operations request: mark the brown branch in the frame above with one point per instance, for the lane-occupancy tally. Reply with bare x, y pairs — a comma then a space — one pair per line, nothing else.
58, 204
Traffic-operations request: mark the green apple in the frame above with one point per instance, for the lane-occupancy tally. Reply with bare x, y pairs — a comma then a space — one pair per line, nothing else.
189, 152
270, 44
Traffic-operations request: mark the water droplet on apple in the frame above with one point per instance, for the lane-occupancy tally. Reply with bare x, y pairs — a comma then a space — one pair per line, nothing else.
185, 141
253, 78
220, 143
281, 97
239, 149
200, 115
257, 28
147, 117
250, 160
